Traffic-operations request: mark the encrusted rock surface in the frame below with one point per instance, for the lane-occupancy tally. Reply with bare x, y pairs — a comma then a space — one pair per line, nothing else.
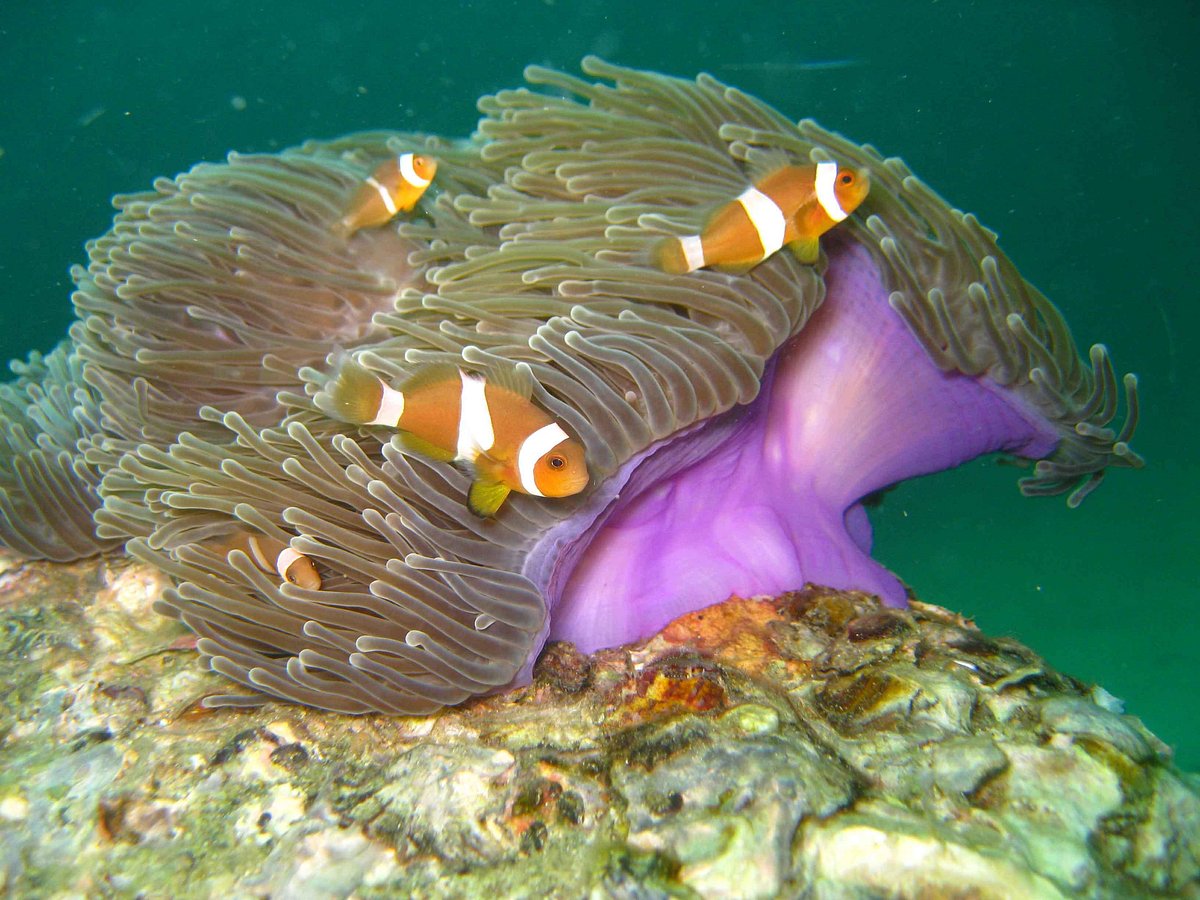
813, 745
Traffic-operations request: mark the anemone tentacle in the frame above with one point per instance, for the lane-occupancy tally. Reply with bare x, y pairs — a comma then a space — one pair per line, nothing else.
213, 312
47, 491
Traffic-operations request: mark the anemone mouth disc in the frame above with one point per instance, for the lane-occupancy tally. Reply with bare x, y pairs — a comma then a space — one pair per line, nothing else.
182, 409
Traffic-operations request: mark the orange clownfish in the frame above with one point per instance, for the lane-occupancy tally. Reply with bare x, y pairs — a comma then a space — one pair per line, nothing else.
488, 423
274, 557
792, 206
394, 187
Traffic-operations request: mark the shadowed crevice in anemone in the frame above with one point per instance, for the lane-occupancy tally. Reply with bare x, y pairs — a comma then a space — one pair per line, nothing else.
733, 424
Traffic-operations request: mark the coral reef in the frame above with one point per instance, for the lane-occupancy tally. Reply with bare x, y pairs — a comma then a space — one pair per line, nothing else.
816, 744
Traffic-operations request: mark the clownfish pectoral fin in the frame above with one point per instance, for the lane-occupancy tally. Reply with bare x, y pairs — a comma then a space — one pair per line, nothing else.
485, 497
353, 394
422, 447
807, 250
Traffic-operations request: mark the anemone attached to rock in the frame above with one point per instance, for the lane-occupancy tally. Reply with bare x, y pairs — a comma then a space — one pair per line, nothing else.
733, 424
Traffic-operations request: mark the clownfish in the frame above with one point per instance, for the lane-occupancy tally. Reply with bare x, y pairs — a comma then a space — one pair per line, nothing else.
792, 206
274, 557
488, 423
394, 187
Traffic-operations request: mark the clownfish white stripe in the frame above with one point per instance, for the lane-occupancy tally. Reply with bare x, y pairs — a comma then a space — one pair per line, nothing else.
475, 433
534, 448
259, 555
385, 195
409, 174
766, 217
284, 561
391, 407
826, 195
693, 252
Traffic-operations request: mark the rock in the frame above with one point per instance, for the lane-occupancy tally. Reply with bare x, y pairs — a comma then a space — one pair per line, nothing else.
811, 745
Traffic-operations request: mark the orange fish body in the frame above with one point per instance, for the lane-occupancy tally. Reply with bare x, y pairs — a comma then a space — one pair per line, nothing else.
275, 557
793, 206
394, 187
452, 415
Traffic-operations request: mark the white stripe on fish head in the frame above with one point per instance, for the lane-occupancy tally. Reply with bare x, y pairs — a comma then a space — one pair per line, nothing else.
284, 561
475, 432
409, 174
766, 217
534, 448
826, 195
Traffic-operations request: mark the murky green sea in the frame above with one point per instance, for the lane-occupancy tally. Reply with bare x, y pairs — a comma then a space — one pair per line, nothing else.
1068, 127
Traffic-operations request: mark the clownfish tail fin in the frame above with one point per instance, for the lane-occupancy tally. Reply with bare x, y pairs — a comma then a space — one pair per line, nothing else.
353, 394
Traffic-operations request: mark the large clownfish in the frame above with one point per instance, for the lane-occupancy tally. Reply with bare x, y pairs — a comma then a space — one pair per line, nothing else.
488, 423
275, 557
394, 187
792, 206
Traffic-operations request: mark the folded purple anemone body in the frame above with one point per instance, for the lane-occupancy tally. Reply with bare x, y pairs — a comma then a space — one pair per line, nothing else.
768, 496
733, 425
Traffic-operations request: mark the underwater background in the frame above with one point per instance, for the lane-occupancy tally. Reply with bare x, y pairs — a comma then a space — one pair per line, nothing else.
1069, 128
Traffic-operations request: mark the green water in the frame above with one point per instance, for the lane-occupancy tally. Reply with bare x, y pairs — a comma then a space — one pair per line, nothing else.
1067, 127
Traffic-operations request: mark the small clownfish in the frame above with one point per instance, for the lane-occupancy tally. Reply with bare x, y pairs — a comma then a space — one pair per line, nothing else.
450, 415
274, 557
792, 206
394, 187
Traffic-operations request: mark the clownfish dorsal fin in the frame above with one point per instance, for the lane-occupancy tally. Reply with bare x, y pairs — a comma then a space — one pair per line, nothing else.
517, 378
486, 497
807, 250
422, 447
427, 375
352, 394
762, 163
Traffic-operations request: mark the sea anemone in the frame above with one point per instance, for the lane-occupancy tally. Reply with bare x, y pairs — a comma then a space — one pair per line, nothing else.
733, 423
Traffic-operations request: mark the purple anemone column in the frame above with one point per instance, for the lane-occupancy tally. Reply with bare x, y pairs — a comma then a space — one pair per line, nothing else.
767, 497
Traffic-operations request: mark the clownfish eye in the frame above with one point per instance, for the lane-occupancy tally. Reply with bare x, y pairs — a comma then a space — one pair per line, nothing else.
556, 461
847, 178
